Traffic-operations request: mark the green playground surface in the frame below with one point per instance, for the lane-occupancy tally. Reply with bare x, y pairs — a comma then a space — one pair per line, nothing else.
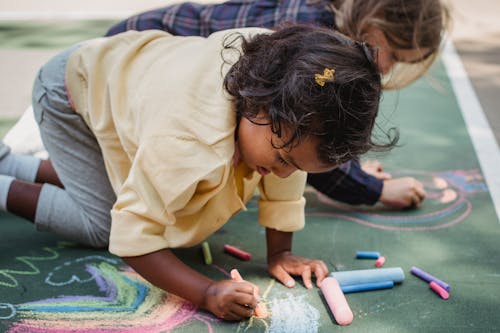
49, 35
50, 285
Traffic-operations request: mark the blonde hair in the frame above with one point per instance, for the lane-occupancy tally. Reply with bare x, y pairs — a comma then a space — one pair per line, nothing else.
406, 24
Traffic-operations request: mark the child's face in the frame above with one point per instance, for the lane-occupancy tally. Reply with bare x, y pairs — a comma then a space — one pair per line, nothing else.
257, 151
388, 56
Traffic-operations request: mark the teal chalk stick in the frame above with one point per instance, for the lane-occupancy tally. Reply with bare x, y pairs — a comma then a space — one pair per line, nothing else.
354, 288
362, 276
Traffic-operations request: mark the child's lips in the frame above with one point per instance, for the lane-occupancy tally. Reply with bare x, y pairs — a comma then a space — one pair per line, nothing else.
262, 171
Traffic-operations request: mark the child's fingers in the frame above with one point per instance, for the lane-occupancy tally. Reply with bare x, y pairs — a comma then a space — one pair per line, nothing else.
419, 194
249, 300
320, 271
239, 312
236, 276
281, 275
306, 277
244, 287
419, 188
384, 175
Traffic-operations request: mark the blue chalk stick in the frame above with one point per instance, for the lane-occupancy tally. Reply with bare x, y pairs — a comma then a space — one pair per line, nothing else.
345, 278
354, 288
367, 255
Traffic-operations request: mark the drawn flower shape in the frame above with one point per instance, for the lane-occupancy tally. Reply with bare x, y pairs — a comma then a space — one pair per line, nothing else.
447, 203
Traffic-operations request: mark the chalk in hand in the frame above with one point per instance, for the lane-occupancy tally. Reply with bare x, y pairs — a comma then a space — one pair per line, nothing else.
427, 277
336, 301
207, 255
367, 255
237, 252
439, 290
260, 310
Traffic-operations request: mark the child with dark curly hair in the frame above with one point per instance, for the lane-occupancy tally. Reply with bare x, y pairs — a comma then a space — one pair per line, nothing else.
406, 34
156, 141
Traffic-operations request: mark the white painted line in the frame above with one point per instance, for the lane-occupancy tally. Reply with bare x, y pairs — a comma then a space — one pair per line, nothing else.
479, 129
63, 15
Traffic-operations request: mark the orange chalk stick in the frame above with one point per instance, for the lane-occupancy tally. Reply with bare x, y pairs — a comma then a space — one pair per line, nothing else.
260, 310
336, 301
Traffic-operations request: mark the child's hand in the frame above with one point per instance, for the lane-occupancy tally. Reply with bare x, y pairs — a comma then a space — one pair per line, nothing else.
282, 264
231, 300
402, 193
374, 168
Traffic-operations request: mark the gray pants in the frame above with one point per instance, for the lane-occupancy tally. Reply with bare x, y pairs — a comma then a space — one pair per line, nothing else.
81, 211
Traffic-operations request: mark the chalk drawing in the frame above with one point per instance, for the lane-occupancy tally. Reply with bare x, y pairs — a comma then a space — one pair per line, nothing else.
447, 203
59, 276
129, 304
7, 276
293, 314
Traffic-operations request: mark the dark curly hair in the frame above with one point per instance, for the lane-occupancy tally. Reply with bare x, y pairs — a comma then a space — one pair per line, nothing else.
276, 74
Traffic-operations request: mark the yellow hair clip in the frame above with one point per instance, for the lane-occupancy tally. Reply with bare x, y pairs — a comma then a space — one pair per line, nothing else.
327, 76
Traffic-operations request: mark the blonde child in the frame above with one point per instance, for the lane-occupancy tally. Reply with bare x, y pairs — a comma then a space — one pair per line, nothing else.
406, 34
156, 141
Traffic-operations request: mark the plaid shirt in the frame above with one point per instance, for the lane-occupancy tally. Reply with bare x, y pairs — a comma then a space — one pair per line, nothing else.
348, 183
193, 19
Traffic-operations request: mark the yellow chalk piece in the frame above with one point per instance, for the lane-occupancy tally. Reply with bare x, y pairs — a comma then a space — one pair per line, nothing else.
207, 255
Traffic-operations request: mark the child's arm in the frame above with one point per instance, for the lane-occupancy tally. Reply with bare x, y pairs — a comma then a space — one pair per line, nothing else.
282, 263
227, 299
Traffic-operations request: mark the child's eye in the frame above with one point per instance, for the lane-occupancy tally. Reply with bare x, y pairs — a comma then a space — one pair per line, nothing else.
282, 161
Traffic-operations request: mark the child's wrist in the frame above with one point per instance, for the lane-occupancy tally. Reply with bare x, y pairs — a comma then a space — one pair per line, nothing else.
207, 294
279, 253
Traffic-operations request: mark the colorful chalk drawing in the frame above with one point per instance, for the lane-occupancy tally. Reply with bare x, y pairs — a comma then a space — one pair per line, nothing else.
8, 276
127, 303
447, 203
124, 302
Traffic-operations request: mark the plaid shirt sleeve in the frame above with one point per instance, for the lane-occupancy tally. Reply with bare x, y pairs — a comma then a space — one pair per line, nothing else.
348, 183
193, 19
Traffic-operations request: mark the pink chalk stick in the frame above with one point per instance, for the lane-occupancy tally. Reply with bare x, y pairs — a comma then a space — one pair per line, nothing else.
439, 290
336, 301
243, 255
380, 261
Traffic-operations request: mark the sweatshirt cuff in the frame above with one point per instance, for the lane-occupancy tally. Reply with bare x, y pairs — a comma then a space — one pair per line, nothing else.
286, 216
